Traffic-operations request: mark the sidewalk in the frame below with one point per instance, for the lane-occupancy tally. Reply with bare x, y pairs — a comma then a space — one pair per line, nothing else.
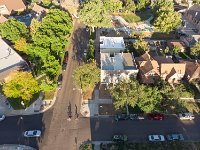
15, 147
90, 108
39, 106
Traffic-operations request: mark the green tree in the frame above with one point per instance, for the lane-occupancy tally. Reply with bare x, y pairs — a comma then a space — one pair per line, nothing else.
140, 45
195, 50
13, 30
20, 85
86, 76
21, 45
167, 21
142, 4
150, 99
93, 13
112, 5
176, 49
129, 6
162, 5
125, 93
90, 52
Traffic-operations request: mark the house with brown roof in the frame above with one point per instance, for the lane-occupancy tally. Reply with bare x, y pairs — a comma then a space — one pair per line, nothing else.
172, 72
192, 71
152, 68
3, 19
8, 7
39, 9
179, 44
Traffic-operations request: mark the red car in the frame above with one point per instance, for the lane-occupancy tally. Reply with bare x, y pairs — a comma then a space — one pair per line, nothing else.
155, 116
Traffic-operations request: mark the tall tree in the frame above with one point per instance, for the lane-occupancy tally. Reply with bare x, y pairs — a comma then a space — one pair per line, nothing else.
35, 24
125, 93
94, 14
13, 30
112, 5
162, 5
20, 85
129, 6
142, 4
176, 49
140, 45
21, 45
150, 99
86, 76
167, 21
90, 52
195, 50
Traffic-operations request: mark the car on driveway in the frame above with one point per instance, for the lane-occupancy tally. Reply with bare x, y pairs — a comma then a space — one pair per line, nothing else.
175, 137
120, 138
156, 138
2, 117
186, 116
155, 116
119, 117
32, 133
136, 117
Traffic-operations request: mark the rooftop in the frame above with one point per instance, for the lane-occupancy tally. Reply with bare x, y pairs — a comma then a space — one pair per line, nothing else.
8, 57
112, 42
119, 61
13, 4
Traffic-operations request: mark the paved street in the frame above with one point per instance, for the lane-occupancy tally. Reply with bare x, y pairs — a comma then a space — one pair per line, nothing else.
138, 130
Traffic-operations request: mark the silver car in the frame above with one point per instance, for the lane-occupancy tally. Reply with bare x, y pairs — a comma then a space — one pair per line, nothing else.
175, 137
186, 116
32, 133
156, 138
2, 117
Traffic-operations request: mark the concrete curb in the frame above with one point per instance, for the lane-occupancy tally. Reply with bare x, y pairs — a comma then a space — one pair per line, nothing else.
15, 147
35, 113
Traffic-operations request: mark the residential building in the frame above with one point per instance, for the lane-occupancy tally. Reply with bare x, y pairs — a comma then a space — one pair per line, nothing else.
191, 25
9, 60
115, 64
192, 71
149, 67
179, 44
3, 19
8, 7
39, 9
172, 72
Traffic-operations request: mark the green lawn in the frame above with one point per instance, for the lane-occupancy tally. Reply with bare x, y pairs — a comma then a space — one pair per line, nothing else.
16, 103
49, 95
153, 146
163, 36
135, 17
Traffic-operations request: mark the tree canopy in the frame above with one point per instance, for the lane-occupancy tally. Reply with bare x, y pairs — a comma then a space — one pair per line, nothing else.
20, 85
129, 6
195, 50
166, 19
21, 45
94, 14
141, 46
13, 30
142, 4
112, 5
125, 92
86, 76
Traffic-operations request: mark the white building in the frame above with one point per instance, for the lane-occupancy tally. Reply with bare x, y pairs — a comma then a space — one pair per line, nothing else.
9, 60
115, 64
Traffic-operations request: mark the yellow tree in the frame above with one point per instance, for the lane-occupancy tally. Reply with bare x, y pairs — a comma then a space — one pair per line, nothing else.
20, 45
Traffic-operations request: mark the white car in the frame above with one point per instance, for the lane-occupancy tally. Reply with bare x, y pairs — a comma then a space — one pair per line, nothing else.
32, 133
2, 117
154, 138
85, 52
186, 116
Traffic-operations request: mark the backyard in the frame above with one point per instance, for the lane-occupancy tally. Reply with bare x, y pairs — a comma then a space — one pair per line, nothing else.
135, 17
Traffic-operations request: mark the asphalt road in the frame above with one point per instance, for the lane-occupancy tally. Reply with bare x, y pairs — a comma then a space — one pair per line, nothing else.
138, 130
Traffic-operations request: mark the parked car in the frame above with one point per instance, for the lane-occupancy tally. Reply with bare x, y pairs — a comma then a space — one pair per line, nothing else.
136, 117
154, 138
155, 116
65, 61
119, 117
186, 116
60, 78
175, 137
32, 133
2, 117
85, 52
120, 138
